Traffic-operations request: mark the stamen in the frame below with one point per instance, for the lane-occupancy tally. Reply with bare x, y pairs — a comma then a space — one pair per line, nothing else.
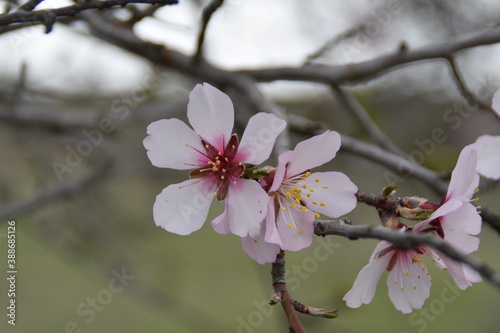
314, 202
322, 204
316, 180
289, 225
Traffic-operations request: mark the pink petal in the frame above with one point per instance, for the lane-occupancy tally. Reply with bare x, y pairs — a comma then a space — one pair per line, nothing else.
313, 152
171, 144
221, 223
495, 103
295, 229
337, 199
459, 225
258, 249
488, 153
464, 178
281, 170
457, 272
272, 235
246, 206
365, 285
259, 137
444, 209
182, 210
409, 283
211, 114
471, 274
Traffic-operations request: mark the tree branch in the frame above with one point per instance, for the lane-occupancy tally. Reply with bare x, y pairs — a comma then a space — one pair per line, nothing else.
375, 67
208, 11
404, 241
48, 16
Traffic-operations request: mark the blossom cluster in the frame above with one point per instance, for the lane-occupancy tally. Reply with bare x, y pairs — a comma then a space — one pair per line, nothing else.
273, 208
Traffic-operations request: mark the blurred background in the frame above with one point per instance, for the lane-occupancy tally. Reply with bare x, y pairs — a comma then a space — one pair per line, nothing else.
73, 114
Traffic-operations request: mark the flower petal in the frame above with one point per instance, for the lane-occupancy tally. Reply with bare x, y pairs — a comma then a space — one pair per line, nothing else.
365, 285
313, 152
295, 229
182, 208
272, 234
459, 225
259, 137
444, 209
488, 153
221, 223
464, 178
280, 170
211, 114
409, 282
329, 193
246, 206
172, 144
258, 249
457, 272
495, 103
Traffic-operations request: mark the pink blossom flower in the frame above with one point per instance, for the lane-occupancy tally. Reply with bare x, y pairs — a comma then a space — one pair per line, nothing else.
456, 219
488, 156
297, 196
217, 161
409, 281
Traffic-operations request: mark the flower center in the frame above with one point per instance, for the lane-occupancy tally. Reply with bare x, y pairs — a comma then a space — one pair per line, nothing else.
219, 166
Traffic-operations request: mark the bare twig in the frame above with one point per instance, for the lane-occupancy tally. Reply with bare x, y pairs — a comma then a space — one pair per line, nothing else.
279, 284
375, 67
48, 16
46, 195
464, 91
359, 112
30, 4
208, 11
404, 241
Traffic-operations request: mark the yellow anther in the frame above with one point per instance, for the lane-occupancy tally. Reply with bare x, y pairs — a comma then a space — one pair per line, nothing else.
322, 204
316, 215
180, 187
395, 282
224, 170
314, 202
445, 269
240, 163
402, 289
299, 231
187, 144
233, 146
215, 193
206, 146
185, 163
316, 180
478, 207
234, 182
283, 208
196, 159
304, 186
325, 187
292, 206
255, 241
297, 201
311, 190
227, 160
304, 209
289, 225
222, 177
308, 174
414, 288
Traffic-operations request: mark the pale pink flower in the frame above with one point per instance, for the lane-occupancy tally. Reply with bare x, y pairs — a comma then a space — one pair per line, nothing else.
495, 103
409, 281
488, 156
297, 196
217, 160
456, 219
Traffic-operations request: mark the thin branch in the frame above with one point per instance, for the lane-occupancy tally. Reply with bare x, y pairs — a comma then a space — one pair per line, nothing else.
208, 11
375, 67
48, 16
359, 112
404, 241
464, 91
57, 192
30, 4
281, 292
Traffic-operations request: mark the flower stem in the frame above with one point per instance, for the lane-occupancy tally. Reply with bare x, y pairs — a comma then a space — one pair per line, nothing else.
279, 285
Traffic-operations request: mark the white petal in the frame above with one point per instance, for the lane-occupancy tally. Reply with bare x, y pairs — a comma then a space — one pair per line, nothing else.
182, 210
295, 229
211, 114
281, 170
409, 283
313, 152
488, 153
259, 137
459, 225
464, 178
246, 207
258, 249
172, 144
365, 285
495, 103
329, 193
